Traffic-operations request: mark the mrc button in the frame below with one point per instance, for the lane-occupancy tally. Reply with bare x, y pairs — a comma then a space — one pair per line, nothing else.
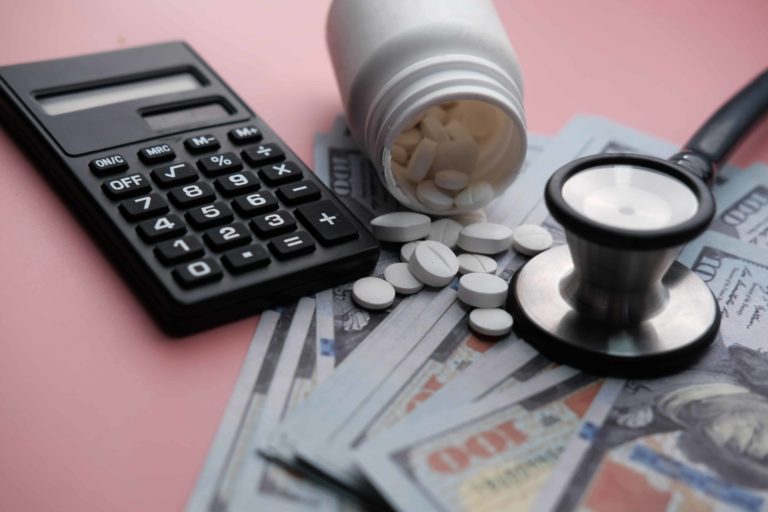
156, 153
107, 165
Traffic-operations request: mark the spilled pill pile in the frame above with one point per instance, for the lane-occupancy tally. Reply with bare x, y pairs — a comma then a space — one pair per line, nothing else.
445, 158
428, 259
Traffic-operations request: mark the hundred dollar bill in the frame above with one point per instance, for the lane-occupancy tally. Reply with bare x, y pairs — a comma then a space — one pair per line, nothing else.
223, 469
697, 440
487, 456
327, 444
347, 171
424, 369
742, 207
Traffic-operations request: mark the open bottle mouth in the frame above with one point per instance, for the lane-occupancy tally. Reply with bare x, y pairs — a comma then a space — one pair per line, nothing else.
629, 201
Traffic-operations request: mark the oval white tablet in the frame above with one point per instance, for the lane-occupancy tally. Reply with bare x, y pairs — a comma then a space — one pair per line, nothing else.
409, 139
401, 279
469, 263
400, 226
421, 160
445, 231
432, 197
475, 196
485, 238
438, 113
373, 293
482, 290
406, 250
491, 322
451, 180
531, 239
433, 263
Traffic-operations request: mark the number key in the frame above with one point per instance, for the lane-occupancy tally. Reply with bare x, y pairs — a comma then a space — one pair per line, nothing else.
181, 249
192, 195
239, 183
198, 273
210, 215
161, 228
253, 204
143, 207
225, 237
176, 174
273, 224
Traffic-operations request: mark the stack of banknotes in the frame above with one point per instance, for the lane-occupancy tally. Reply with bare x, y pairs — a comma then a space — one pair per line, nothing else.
340, 408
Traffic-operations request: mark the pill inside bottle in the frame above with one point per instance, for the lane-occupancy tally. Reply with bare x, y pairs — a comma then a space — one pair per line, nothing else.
453, 156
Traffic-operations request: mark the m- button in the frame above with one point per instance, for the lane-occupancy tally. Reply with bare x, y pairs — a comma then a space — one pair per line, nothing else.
326, 222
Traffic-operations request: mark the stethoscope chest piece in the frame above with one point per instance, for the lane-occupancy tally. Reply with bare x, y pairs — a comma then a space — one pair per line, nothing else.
613, 300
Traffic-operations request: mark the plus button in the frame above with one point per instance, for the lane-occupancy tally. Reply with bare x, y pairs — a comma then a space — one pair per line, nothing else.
329, 219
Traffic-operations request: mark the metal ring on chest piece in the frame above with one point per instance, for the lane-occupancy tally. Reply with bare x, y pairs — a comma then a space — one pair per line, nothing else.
614, 301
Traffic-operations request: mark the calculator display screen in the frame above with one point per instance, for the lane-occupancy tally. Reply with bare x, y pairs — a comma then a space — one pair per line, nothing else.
54, 105
186, 116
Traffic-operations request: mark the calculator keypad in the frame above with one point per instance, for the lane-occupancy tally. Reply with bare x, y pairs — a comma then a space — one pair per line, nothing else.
235, 217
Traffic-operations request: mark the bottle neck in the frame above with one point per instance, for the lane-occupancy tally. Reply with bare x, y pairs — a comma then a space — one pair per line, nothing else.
431, 82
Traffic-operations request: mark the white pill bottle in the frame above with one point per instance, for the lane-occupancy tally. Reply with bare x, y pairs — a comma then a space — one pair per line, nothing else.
442, 70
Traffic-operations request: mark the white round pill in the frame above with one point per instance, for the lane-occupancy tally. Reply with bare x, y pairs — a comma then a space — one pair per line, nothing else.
373, 293
451, 180
445, 231
433, 263
475, 196
485, 238
482, 290
400, 226
421, 160
406, 250
432, 197
531, 239
469, 263
401, 279
491, 322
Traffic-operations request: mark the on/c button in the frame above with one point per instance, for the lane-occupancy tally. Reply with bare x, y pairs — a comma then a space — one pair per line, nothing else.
107, 165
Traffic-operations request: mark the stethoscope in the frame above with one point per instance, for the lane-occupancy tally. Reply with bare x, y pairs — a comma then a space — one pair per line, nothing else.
614, 300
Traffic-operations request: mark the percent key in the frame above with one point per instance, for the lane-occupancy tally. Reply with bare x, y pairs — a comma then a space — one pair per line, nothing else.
223, 163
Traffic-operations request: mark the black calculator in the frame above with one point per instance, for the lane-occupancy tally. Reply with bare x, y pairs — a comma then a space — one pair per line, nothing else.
205, 211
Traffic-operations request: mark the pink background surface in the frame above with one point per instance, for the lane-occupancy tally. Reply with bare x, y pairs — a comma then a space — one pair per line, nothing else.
98, 409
